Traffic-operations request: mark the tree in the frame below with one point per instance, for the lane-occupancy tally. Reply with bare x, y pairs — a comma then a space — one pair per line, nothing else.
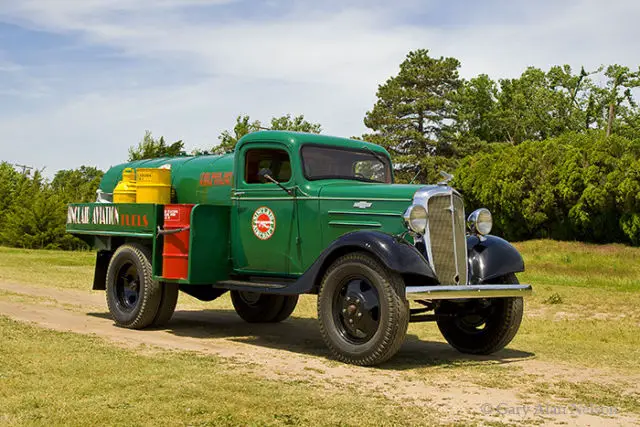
294, 124
414, 112
150, 148
615, 99
228, 140
477, 109
581, 186
77, 185
244, 126
540, 105
11, 181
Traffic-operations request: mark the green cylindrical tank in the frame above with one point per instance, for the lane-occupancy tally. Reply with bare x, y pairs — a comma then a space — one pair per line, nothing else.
198, 179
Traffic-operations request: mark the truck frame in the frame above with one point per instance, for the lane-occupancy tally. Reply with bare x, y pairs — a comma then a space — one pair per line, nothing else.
292, 213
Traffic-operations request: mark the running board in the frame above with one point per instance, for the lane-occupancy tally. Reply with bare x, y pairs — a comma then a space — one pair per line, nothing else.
467, 291
243, 284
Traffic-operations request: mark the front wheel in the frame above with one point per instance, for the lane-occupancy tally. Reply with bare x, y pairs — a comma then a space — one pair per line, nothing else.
362, 310
481, 326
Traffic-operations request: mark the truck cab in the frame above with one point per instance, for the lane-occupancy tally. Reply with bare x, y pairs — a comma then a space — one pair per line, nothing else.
292, 213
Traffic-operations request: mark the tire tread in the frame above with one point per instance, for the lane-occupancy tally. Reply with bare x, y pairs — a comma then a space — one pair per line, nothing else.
151, 295
394, 334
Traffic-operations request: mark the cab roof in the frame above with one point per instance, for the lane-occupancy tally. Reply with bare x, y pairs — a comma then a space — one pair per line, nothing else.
295, 139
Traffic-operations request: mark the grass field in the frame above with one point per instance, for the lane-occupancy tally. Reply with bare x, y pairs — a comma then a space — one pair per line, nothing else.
583, 316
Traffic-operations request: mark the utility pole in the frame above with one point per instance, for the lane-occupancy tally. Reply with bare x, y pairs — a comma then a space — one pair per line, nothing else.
25, 168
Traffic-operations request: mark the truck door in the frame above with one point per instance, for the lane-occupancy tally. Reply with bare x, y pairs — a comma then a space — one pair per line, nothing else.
264, 224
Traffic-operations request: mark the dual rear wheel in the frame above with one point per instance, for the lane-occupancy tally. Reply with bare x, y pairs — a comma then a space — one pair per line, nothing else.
134, 299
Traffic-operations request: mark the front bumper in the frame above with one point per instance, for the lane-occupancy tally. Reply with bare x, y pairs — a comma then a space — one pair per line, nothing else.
467, 291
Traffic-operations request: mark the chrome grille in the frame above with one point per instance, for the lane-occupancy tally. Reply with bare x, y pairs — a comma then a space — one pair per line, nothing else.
446, 237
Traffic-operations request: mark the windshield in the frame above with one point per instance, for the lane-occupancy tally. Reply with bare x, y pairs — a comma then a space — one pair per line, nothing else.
321, 162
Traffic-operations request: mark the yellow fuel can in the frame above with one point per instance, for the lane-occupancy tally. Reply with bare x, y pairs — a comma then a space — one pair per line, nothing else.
125, 191
153, 185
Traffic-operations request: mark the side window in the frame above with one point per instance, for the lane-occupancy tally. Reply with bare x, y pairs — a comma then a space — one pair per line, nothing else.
370, 169
275, 160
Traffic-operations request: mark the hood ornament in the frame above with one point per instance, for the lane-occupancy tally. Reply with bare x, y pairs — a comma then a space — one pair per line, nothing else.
447, 178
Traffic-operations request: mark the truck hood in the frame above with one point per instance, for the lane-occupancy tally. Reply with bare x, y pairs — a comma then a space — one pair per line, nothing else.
351, 206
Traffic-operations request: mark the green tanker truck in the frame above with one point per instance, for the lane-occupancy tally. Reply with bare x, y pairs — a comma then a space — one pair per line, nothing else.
292, 213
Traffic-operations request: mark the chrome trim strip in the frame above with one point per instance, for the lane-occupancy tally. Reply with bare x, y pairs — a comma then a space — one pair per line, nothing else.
453, 231
360, 198
356, 224
466, 292
421, 197
267, 198
317, 198
364, 213
425, 193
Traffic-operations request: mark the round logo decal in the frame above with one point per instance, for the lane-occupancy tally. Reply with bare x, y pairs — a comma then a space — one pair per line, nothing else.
263, 223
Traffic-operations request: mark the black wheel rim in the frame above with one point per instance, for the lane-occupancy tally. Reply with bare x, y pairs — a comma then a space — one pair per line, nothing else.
356, 310
250, 298
127, 287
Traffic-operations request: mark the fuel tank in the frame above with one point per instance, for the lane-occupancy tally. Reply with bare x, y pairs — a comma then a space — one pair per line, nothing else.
194, 179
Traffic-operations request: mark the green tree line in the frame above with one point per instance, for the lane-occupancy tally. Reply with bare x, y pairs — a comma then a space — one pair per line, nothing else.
553, 153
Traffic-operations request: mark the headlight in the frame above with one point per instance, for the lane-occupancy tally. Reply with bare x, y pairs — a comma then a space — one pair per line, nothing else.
480, 221
416, 218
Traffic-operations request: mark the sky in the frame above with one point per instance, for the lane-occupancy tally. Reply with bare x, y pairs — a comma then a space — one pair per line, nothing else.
81, 80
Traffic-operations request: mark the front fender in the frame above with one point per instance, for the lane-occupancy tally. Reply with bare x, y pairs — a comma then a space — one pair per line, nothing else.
396, 254
491, 257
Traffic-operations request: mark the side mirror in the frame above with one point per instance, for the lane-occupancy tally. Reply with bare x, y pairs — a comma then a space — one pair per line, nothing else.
265, 175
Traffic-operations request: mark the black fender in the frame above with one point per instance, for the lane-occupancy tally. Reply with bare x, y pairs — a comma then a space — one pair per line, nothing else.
491, 257
395, 253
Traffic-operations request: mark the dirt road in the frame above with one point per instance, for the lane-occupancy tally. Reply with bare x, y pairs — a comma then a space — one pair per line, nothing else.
294, 350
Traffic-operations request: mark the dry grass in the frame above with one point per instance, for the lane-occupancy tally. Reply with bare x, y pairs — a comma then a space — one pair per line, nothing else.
52, 378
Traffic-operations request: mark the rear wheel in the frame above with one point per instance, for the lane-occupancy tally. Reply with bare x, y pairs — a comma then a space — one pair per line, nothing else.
254, 307
133, 297
167, 304
362, 310
481, 326
288, 305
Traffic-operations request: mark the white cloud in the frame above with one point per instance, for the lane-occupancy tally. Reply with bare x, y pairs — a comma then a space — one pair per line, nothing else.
307, 60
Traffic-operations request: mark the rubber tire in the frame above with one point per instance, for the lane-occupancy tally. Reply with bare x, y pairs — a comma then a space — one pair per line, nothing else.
394, 310
167, 304
288, 305
507, 320
150, 291
268, 309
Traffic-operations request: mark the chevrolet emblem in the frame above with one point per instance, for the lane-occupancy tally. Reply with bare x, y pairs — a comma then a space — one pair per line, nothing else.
362, 205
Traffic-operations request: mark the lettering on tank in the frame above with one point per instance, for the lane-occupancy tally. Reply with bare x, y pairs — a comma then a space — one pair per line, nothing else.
209, 179
101, 215
134, 220
104, 215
